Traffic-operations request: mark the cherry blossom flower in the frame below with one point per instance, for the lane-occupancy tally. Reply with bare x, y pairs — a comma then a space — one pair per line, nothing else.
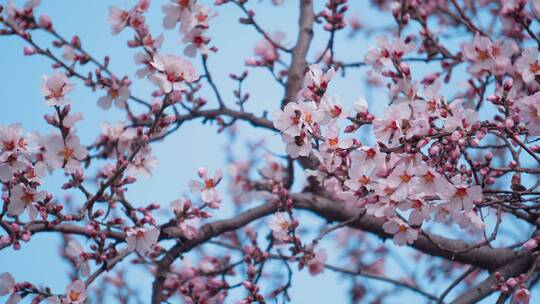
479, 53
195, 41
69, 53
528, 64
358, 178
522, 295
460, 196
486, 56
142, 239
332, 109
316, 264
172, 72
298, 145
118, 19
420, 210
502, 51
297, 116
382, 208
382, 55
531, 244
529, 110
207, 188
280, 226
7, 286
332, 140
403, 234
66, 154
266, 51
143, 164
425, 183
23, 198
201, 16
390, 128
315, 83
272, 170
75, 293
401, 180
178, 12
117, 92
468, 219
361, 105
188, 226
14, 151
366, 159
459, 117
118, 132
75, 251
54, 88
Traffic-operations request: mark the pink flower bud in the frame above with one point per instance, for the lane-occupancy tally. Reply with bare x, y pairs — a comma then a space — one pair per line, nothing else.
531, 244
511, 282
28, 51
45, 22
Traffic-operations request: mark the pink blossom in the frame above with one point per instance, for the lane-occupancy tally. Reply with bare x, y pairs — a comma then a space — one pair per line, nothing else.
366, 159
142, 239
272, 170
460, 196
118, 19
528, 64
266, 50
188, 226
66, 154
280, 226
75, 251
117, 92
143, 164
529, 110
178, 12
459, 116
401, 180
390, 128
420, 210
425, 183
522, 295
23, 198
297, 116
75, 293
298, 145
7, 287
54, 88
403, 234
332, 140
69, 53
479, 53
316, 264
361, 105
381, 56
14, 151
315, 83
332, 110
172, 71
207, 188
195, 41
531, 244
118, 132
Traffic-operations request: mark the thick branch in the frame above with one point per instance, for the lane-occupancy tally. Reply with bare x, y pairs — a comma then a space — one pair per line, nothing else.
484, 289
299, 53
206, 233
484, 256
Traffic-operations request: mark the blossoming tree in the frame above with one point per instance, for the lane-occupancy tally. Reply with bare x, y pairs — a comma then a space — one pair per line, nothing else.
446, 167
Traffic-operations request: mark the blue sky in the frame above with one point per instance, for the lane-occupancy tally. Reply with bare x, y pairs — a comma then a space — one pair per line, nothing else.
193, 145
